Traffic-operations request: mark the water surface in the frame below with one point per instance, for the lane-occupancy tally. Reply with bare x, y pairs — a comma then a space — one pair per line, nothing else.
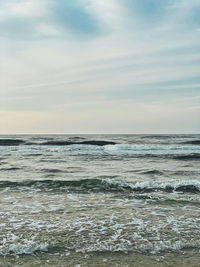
96, 199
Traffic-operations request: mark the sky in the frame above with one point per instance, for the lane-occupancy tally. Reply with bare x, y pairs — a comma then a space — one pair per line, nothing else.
99, 66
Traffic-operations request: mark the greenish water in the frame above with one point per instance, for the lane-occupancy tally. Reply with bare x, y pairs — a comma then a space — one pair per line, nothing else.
84, 203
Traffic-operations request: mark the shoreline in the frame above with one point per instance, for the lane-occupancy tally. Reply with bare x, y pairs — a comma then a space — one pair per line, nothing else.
184, 259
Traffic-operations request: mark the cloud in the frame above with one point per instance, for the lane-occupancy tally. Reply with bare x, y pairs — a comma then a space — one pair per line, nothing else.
148, 10
73, 15
88, 56
23, 9
18, 19
34, 19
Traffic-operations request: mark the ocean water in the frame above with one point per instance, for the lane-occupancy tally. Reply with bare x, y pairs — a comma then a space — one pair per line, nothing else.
100, 200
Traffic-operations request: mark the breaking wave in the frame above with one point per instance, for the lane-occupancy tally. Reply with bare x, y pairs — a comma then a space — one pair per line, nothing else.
105, 185
14, 245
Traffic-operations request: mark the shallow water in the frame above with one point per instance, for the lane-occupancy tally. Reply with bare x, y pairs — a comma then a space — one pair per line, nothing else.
78, 201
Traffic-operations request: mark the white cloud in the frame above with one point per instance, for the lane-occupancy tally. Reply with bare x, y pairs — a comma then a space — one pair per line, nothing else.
108, 12
46, 29
73, 76
185, 4
24, 8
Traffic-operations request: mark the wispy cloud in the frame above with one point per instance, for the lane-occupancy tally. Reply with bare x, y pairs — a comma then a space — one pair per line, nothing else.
24, 9
94, 55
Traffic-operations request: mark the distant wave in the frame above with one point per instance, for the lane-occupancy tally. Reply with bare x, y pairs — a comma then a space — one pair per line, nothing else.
11, 169
151, 147
152, 172
17, 142
67, 143
105, 185
51, 170
185, 152
11, 142
192, 142
182, 157
159, 136
193, 156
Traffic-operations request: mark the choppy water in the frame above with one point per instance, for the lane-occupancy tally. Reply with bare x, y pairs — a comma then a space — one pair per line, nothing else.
71, 195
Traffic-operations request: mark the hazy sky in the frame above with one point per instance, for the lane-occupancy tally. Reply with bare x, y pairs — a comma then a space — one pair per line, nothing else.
99, 66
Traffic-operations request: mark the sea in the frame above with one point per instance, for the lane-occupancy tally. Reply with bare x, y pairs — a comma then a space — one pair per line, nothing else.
100, 200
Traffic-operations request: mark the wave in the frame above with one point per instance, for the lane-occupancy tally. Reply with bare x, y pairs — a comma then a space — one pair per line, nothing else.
33, 155
154, 247
11, 142
76, 138
67, 143
11, 169
168, 186
167, 151
167, 148
192, 142
157, 154
152, 172
51, 170
105, 185
193, 156
14, 245
17, 142
159, 136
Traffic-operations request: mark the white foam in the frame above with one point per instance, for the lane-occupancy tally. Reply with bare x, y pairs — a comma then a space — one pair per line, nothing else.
153, 149
150, 247
171, 245
14, 245
153, 185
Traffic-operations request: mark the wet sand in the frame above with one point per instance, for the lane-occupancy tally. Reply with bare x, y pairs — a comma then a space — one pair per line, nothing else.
184, 259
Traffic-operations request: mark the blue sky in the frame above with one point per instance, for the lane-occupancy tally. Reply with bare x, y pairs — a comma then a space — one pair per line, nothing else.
91, 66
